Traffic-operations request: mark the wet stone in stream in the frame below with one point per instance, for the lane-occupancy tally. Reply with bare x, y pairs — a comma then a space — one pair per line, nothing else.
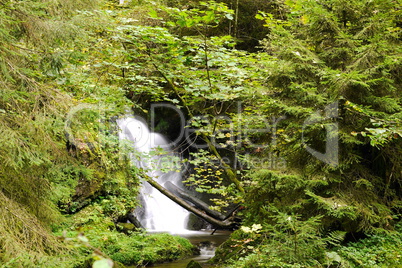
193, 264
205, 242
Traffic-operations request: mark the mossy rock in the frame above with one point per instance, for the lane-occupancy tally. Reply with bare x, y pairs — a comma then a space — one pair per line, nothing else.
193, 264
126, 227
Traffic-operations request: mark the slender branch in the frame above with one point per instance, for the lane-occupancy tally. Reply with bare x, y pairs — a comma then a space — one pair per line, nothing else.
228, 169
172, 85
236, 19
207, 59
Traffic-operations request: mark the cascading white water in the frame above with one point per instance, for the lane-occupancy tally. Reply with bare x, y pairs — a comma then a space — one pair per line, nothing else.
160, 213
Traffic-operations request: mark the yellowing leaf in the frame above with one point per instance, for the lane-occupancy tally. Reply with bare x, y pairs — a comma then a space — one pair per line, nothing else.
304, 19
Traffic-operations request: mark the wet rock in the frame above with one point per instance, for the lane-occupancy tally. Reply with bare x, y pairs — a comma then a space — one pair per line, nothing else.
196, 223
126, 227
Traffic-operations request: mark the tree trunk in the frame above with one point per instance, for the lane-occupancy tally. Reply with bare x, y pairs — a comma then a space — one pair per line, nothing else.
199, 204
217, 223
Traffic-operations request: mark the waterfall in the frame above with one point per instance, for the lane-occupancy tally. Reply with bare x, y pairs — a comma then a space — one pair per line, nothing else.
158, 212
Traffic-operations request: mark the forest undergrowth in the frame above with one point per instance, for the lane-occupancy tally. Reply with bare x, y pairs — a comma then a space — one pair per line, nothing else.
295, 115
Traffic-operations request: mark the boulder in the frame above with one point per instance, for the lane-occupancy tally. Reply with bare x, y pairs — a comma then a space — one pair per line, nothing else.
193, 264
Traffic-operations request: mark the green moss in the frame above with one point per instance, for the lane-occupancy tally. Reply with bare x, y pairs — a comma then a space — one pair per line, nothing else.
136, 248
141, 249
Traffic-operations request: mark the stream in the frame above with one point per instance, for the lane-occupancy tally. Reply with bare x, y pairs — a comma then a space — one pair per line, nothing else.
156, 209
207, 244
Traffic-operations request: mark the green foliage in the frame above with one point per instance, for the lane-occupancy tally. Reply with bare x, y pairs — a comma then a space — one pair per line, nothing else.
41, 43
31, 127
322, 52
331, 55
23, 232
186, 71
207, 177
380, 250
71, 66
292, 242
293, 224
288, 242
208, 15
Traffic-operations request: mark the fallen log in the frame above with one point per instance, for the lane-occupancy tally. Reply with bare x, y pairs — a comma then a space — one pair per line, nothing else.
197, 202
181, 202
